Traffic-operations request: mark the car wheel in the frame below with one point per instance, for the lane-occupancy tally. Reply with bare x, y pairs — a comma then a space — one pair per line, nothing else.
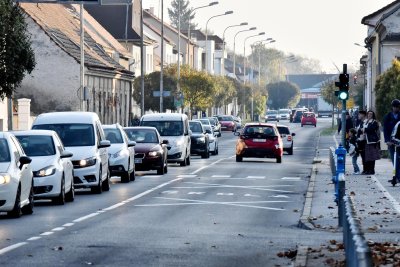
132, 176
28, 209
166, 166
219, 135
290, 150
98, 189
315, 125
60, 199
184, 162
106, 184
239, 158
188, 160
217, 151
70, 196
16, 211
279, 159
204, 155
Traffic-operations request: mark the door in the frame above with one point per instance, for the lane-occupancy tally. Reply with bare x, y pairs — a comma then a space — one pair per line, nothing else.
25, 173
103, 152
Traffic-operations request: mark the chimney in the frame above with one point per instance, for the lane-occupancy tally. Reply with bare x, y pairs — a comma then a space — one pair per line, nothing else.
151, 10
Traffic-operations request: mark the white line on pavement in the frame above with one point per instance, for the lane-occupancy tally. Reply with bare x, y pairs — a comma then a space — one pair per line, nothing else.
216, 162
33, 238
68, 224
220, 176
12, 247
115, 206
47, 233
255, 177
290, 178
57, 229
196, 193
246, 187
391, 199
187, 176
169, 192
85, 217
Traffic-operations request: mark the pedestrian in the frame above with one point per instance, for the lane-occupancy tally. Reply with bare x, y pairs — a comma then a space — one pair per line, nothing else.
361, 142
353, 150
389, 121
372, 147
395, 140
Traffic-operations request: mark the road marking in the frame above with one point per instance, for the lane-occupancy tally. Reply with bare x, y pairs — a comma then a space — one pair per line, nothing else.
246, 187
68, 224
220, 176
152, 189
116, 206
225, 194
57, 229
86, 217
255, 177
196, 193
280, 196
198, 170
216, 162
33, 238
169, 192
186, 176
291, 178
47, 233
250, 195
172, 204
391, 199
12, 247
151, 176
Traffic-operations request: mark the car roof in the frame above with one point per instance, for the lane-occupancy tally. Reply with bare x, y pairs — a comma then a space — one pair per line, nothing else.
259, 124
140, 128
111, 126
196, 121
66, 117
34, 132
164, 117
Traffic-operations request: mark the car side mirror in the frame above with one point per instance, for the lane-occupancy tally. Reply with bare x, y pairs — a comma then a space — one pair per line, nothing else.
131, 143
165, 142
236, 133
66, 154
23, 161
104, 143
293, 134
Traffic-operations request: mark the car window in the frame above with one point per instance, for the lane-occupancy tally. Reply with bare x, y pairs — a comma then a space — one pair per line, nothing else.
257, 130
113, 135
166, 128
71, 134
4, 151
272, 112
225, 118
195, 127
283, 130
142, 135
37, 145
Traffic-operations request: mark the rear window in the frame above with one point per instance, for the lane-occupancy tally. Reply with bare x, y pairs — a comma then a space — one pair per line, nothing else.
71, 134
142, 135
299, 113
272, 112
37, 145
113, 135
283, 130
195, 127
225, 118
257, 130
309, 115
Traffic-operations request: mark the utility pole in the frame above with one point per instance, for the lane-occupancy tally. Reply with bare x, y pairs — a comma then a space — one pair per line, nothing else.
142, 55
162, 59
82, 65
179, 47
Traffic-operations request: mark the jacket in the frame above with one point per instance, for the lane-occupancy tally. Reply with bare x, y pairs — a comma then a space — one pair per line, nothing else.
349, 125
395, 136
371, 130
389, 122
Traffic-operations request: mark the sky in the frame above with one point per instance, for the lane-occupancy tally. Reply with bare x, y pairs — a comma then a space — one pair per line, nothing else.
325, 30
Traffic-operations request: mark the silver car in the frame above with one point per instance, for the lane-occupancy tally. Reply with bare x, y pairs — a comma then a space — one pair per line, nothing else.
287, 138
284, 113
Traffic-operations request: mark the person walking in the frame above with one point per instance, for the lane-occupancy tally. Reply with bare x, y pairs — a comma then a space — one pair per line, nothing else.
389, 122
361, 142
395, 140
353, 150
372, 147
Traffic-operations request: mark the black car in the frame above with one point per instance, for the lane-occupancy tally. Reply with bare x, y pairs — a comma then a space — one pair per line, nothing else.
297, 116
199, 140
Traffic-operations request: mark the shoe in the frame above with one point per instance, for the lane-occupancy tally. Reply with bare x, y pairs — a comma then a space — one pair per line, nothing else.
356, 173
364, 173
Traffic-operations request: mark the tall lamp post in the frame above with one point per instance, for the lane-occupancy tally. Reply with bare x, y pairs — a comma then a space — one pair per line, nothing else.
219, 15
234, 48
162, 59
189, 26
223, 45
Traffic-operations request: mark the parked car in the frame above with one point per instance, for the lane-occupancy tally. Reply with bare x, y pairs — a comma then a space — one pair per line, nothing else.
309, 118
200, 140
53, 172
121, 153
272, 115
174, 128
228, 123
215, 125
82, 134
16, 178
287, 138
213, 138
284, 113
151, 151
259, 140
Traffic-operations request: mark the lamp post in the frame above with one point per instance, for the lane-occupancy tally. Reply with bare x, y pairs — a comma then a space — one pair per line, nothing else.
219, 15
141, 60
189, 26
162, 59
234, 48
223, 44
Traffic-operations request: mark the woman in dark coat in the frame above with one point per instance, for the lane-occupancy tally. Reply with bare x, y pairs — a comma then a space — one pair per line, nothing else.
372, 148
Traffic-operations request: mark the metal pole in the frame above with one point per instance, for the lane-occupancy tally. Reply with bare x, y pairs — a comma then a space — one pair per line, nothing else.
179, 47
10, 113
82, 65
344, 113
162, 59
142, 60
188, 43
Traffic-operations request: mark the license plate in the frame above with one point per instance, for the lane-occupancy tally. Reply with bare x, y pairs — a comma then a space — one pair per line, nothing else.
259, 140
308, 122
138, 160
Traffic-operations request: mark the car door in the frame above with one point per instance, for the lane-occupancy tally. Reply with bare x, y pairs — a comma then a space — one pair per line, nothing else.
64, 162
102, 151
130, 149
24, 173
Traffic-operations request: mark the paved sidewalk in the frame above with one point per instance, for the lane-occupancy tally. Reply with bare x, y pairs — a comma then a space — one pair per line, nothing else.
377, 205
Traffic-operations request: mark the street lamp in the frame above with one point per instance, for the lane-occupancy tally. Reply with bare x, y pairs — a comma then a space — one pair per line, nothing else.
196, 8
234, 48
219, 15
223, 45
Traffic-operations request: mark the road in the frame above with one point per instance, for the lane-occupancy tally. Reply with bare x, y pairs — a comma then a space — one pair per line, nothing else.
216, 212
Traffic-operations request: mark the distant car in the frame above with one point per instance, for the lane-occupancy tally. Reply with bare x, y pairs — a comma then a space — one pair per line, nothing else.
53, 172
16, 178
121, 153
287, 138
272, 115
309, 118
284, 113
200, 140
297, 116
204, 121
212, 136
151, 150
228, 123
259, 140
216, 126
238, 122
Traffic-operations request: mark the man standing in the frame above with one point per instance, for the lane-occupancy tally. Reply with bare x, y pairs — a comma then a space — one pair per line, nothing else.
361, 137
389, 121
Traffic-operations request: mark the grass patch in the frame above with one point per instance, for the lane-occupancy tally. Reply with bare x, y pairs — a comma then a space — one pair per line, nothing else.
329, 131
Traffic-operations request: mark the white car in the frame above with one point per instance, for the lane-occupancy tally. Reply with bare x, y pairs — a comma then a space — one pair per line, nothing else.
287, 138
213, 139
53, 172
284, 114
16, 178
121, 153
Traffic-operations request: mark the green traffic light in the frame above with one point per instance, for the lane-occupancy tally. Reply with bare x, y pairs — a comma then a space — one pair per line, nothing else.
343, 95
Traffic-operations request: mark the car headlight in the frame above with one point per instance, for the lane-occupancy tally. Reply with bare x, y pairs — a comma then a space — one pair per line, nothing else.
201, 140
117, 154
4, 178
47, 171
154, 153
87, 162
179, 142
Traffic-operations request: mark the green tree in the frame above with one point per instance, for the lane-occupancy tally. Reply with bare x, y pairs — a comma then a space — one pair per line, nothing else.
224, 90
16, 54
328, 93
260, 102
387, 88
184, 14
283, 94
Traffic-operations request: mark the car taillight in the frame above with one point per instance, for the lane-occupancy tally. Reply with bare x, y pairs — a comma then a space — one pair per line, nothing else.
289, 138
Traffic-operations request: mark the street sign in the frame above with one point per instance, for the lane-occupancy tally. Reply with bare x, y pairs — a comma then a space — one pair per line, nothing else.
158, 94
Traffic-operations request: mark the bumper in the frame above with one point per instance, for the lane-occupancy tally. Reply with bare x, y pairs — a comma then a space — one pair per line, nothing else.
228, 128
198, 148
8, 192
47, 187
118, 166
176, 154
87, 177
148, 163
261, 153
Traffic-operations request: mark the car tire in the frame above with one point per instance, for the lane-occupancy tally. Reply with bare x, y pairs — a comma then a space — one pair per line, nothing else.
28, 209
16, 211
204, 155
239, 158
166, 166
219, 135
106, 184
70, 196
217, 151
60, 199
132, 176
98, 189
279, 159
188, 160
315, 125
161, 170
290, 150
184, 162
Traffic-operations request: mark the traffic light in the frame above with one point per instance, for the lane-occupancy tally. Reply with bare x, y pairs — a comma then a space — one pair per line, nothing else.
343, 85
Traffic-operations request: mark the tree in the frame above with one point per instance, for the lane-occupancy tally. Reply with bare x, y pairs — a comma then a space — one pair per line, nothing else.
260, 102
184, 14
16, 54
283, 94
224, 90
328, 93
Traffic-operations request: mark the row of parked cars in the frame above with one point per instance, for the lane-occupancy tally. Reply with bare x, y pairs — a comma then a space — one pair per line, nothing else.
65, 151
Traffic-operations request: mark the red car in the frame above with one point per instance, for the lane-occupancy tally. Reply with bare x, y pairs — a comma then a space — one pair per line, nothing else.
227, 123
259, 140
308, 118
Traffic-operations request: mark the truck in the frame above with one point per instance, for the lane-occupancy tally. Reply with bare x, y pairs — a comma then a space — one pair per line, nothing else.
323, 108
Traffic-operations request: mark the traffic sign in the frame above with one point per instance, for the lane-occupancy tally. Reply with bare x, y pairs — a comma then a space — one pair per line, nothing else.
158, 94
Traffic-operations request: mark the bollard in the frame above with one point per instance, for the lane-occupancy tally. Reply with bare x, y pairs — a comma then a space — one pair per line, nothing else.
341, 194
340, 168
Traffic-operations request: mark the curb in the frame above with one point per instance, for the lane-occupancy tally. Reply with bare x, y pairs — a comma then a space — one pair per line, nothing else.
301, 257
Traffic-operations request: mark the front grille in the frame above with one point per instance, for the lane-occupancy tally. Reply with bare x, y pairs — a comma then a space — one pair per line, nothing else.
90, 178
2, 202
139, 155
42, 189
77, 180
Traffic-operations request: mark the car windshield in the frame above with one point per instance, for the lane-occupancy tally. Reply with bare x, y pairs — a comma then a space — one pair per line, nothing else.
284, 111
166, 128
299, 113
283, 130
225, 118
142, 135
195, 127
272, 112
266, 131
205, 121
37, 145
4, 151
113, 135
213, 121
71, 134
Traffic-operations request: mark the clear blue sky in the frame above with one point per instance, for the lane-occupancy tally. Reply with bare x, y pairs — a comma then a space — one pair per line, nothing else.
322, 29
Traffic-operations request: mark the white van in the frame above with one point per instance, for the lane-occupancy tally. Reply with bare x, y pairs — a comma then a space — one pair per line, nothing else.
173, 127
81, 134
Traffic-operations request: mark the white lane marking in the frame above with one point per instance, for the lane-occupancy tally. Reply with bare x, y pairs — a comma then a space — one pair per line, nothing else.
151, 176
250, 195
186, 176
57, 229
290, 178
216, 162
246, 187
225, 194
47, 233
172, 204
391, 199
200, 169
255, 177
116, 206
68, 224
152, 189
169, 192
280, 196
12, 247
33, 238
85, 217
196, 193
220, 176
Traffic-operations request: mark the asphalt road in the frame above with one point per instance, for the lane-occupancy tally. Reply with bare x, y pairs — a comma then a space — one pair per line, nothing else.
216, 212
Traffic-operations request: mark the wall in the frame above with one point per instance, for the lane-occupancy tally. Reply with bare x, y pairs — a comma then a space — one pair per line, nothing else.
3, 115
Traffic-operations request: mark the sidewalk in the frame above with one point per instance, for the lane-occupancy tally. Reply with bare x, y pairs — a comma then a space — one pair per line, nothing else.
377, 205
